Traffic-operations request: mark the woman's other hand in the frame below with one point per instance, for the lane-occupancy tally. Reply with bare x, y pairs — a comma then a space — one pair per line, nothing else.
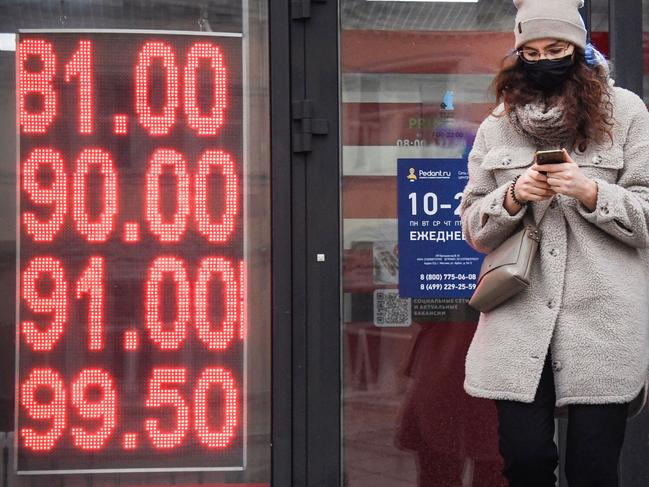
568, 179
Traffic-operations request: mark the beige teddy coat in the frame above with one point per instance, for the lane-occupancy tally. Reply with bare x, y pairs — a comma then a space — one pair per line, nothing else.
589, 297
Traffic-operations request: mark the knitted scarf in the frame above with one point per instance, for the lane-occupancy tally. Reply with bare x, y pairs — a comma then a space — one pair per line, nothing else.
543, 124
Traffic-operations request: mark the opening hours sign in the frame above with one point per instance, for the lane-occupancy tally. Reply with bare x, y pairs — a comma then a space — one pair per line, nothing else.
131, 272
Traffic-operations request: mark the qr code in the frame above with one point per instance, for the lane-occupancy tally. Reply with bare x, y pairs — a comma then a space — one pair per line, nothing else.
390, 309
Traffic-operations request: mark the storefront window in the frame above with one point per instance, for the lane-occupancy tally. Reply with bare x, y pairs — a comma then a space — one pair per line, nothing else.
135, 270
416, 79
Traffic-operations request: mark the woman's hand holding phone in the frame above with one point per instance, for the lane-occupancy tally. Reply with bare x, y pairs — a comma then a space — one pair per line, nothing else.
533, 186
568, 179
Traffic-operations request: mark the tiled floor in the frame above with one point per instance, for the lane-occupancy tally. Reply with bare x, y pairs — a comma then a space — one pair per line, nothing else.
371, 457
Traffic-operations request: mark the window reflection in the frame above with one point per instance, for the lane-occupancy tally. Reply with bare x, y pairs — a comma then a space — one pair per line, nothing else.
415, 85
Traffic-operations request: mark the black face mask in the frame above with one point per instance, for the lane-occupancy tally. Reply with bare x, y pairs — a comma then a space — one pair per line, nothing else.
548, 74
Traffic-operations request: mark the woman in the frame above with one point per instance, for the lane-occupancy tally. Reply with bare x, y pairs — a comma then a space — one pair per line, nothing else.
579, 335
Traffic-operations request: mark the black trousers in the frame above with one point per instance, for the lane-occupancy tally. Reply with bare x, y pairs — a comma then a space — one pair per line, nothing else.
526, 431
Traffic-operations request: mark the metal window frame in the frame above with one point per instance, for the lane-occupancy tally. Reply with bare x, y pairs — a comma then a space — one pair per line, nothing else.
625, 43
305, 186
322, 233
281, 429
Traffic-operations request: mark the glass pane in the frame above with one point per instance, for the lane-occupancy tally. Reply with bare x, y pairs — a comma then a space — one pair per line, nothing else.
416, 80
599, 24
634, 468
142, 354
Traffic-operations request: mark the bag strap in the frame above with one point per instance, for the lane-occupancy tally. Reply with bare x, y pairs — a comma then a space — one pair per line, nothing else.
545, 212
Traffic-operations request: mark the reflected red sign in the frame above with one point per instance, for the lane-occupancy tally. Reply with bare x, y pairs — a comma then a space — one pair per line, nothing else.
131, 263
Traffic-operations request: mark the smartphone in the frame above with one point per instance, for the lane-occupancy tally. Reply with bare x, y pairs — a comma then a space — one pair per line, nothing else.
555, 156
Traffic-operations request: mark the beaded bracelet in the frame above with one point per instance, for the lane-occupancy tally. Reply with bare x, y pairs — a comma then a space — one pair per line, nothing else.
512, 191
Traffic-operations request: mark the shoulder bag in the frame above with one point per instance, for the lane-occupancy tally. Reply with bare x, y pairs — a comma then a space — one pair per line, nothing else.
505, 271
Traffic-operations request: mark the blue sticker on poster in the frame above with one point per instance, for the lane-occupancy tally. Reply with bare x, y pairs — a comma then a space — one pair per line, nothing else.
434, 259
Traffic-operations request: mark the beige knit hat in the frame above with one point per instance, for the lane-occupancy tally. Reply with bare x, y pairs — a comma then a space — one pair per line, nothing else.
555, 19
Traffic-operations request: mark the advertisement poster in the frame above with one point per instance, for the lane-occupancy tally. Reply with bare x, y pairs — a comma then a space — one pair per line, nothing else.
434, 259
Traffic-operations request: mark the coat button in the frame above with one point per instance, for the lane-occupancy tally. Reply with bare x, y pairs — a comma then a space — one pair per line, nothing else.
507, 161
554, 252
556, 365
597, 159
551, 304
603, 210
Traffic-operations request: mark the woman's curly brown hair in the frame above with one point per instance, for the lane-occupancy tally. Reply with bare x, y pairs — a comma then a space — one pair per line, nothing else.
585, 96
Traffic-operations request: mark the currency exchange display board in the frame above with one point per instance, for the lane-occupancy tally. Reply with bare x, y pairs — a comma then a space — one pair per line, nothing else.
130, 326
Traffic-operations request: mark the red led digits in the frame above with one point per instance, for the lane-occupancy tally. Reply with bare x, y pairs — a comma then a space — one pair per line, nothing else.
91, 283
80, 66
216, 339
99, 231
129, 442
120, 124
52, 408
206, 435
161, 394
131, 232
205, 125
131, 340
30, 82
180, 212
54, 195
172, 339
88, 407
220, 231
243, 315
55, 303
156, 124
167, 232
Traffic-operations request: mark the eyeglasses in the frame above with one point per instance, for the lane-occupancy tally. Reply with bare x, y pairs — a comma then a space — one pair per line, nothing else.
553, 53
